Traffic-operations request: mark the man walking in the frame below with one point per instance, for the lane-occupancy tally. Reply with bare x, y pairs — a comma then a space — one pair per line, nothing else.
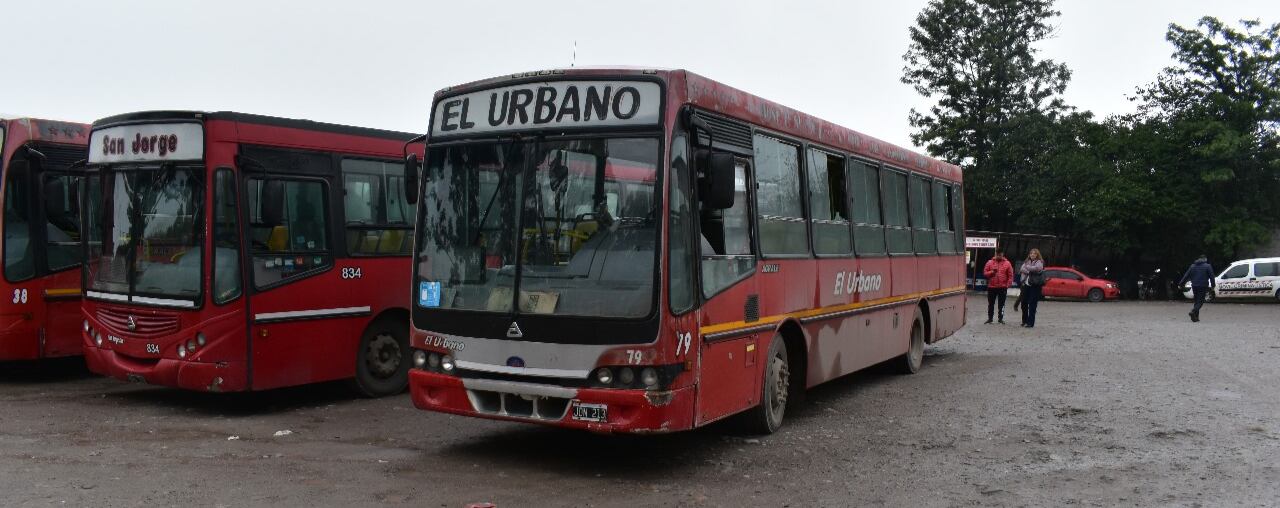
1201, 276
999, 272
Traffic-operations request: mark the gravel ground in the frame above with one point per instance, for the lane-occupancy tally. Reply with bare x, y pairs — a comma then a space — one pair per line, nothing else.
1106, 404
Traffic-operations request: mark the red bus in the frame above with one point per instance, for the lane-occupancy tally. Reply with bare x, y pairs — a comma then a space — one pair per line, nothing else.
652, 251
180, 202
40, 291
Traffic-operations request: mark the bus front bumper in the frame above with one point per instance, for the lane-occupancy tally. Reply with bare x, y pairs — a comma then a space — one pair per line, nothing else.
189, 375
593, 409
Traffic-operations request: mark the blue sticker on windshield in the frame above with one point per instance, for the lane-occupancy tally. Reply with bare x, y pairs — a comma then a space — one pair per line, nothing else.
429, 294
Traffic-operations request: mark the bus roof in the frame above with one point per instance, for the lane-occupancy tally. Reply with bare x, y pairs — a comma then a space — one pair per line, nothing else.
718, 97
231, 116
48, 131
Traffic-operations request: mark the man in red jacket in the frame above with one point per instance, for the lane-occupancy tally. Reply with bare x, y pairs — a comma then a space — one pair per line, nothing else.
999, 272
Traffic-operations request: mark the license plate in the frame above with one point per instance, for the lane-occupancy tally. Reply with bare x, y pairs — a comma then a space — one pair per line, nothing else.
590, 412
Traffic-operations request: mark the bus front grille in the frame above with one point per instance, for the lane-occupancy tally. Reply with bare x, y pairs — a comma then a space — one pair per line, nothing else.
145, 325
537, 407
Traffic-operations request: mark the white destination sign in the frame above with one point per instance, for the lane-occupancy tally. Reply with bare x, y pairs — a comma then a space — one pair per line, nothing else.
979, 242
147, 142
549, 105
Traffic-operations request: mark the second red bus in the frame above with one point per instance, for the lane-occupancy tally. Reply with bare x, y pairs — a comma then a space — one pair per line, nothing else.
630, 250
232, 252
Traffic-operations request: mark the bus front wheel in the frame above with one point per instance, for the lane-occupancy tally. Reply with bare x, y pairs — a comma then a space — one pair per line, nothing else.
910, 362
766, 418
382, 362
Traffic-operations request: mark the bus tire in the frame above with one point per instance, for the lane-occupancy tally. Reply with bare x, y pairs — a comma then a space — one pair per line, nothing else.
766, 417
382, 361
910, 362
1095, 295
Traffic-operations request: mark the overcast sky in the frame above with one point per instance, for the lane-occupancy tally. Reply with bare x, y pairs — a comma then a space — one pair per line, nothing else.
377, 64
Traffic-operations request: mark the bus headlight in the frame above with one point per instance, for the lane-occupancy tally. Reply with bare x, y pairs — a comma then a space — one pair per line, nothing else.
446, 363
191, 346
649, 376
433, 361
626, 376
200, 340
86, 326
97, 338
419, 358
182, 351
604, 376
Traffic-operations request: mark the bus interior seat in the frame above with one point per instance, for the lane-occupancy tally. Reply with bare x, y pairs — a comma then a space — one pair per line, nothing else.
392, 241
368, 242
278, 240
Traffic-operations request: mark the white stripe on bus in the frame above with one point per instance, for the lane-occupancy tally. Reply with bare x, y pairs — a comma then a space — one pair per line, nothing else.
313, 313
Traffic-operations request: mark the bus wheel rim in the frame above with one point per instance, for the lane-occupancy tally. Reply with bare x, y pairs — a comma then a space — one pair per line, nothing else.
383, 355
779, 382
917, 346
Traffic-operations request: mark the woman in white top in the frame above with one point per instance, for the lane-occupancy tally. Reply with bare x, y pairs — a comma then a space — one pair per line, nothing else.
1032, 286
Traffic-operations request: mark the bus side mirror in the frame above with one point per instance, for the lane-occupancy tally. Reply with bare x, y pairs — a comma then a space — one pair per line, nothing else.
716, 186
272, 202
411, 178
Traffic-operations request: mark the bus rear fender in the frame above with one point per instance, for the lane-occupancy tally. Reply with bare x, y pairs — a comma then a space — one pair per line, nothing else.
930, 335
797, 342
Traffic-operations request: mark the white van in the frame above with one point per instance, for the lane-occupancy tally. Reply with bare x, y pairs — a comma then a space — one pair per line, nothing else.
1247, 278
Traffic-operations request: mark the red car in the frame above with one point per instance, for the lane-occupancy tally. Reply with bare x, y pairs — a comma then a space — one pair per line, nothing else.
1063, 282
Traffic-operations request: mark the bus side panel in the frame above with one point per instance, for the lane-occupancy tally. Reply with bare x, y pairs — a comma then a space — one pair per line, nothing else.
730, 379
789, 289
952, 269
948, 315
928, 277
725, 381
62, 314
905, 275
300, 351
837, 347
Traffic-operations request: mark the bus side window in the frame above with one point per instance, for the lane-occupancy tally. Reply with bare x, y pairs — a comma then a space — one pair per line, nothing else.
942, 217
62, 216
226, 238
726, 239
297, 245
780, 206
828, 204
379, 221
19, 261
922, 216
868, 230
680, 246
898, 233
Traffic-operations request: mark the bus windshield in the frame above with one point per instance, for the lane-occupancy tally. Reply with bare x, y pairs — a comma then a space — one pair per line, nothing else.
145, 231
565, 227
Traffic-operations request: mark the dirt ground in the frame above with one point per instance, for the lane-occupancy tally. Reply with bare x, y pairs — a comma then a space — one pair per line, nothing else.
1101, 404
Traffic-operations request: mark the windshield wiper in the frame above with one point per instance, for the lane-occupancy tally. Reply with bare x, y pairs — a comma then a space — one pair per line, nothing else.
502, 178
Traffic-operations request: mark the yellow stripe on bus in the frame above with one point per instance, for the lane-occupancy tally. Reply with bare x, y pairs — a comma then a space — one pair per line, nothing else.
800, 314
62, 292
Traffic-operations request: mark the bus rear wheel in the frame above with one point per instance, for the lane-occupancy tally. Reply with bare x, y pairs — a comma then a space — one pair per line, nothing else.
382, 363
766, 418
910, 362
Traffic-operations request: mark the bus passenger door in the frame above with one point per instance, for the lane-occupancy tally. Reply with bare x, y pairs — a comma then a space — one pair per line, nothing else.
60, 198
300, 312
728, 380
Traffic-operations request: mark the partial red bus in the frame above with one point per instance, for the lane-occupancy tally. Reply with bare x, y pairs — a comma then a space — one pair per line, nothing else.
40, 290
231, 252
652, 251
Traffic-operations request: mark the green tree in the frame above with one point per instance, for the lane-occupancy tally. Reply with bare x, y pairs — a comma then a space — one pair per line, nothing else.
977, 61
1217, 115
